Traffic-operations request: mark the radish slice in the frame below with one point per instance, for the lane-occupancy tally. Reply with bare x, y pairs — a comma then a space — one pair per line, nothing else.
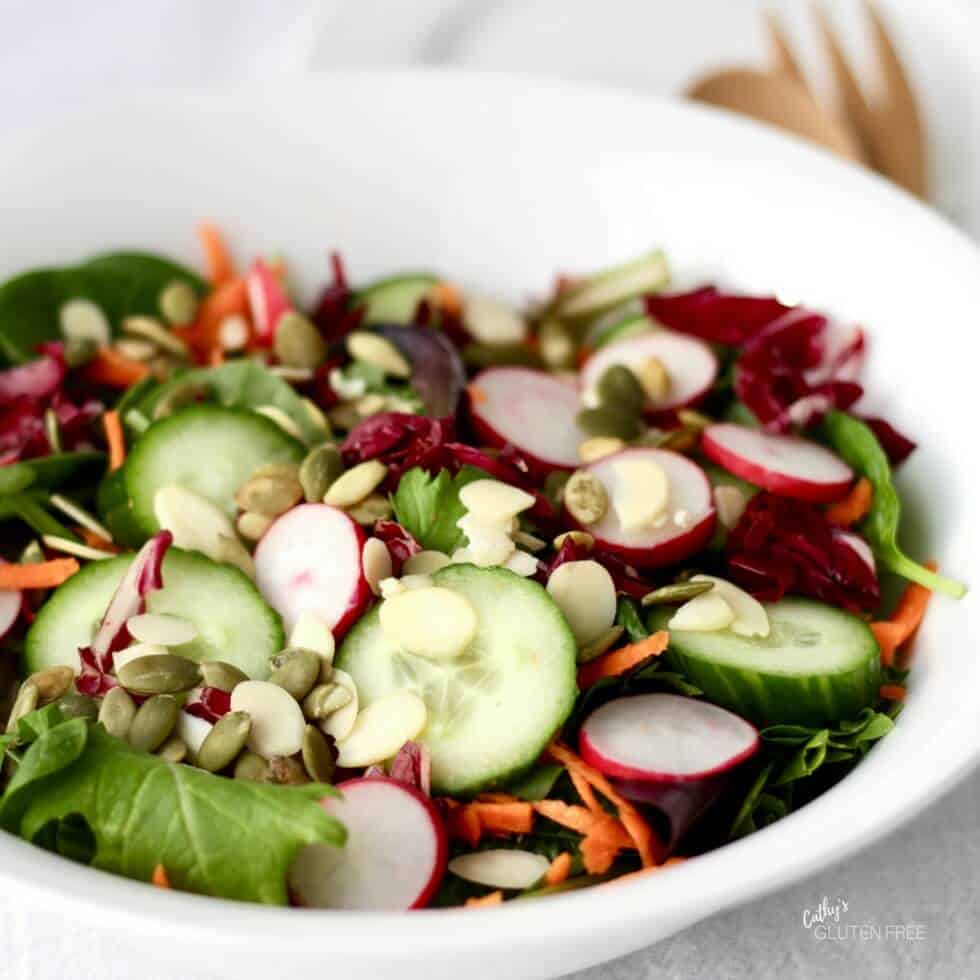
266, 301
688, 522
665, 738
394, 857
691, 365
11, 602
309, 561
785, 465
532, 411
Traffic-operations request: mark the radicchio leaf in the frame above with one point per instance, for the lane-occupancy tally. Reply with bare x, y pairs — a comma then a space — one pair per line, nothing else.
38, 379
715, 316
413, 766
401, 441
897, 446
401, 544
334, 313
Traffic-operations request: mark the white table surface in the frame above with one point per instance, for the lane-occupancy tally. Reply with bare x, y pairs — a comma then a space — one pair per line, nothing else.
54, 54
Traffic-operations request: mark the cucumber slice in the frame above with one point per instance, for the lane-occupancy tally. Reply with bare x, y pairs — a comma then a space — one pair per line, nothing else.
609, 288
493, 709
818, 664
209, 449
395, 299
622, 327
234, 623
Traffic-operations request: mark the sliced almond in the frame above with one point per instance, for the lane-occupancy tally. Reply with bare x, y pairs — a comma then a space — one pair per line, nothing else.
376, 563
425, 563
277, 415
730, 504
494, 500
165, 631
751, 618
705, 613
233, 332
432, 622
500, 868
390, 587
81, 319
195, 522
312, 633
598, 447
489, 542
341, 722
490, 321
122, 657
640, 494
521, 563
382, 728
586, 595
278, 724
654, 379
252, 525
192, 731
382, 353
352, 487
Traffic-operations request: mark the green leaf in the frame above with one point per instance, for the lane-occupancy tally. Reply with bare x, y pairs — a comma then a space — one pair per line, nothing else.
859, 447
70, 836
535, 785
216, 836
51, 472
121, 283
28, 507
787, 734
428, 507
807, 759
239, 384
628, 617
744, 822
31, 727
377, 383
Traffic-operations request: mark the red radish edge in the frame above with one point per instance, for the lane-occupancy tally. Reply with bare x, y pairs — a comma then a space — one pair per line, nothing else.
266, 301
490, 436
758, 463
431, 884
858, 545
611, 354
11, 603
297, 566
672, 549
617, 720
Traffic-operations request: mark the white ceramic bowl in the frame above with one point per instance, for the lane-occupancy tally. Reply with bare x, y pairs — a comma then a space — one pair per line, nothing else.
500, 182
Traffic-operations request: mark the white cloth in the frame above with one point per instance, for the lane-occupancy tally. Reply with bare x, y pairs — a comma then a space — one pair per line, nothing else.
57, 53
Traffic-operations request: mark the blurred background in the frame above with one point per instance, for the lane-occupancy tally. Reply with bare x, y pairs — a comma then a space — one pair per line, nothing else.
57, 55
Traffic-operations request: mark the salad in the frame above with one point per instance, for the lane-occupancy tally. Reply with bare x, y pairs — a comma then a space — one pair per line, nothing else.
416, 599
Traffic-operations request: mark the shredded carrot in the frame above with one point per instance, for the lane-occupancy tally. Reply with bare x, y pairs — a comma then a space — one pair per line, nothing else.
854, 506
897, 630
116, 439
160, 878
497, 797
650, 849
598, 853
42, 575
463, 823
217, 258
94, 540
203, 335
477, 394
584, 790
494, 898
111, 369
446, 297
559, 869
617, 662
891, 692
504, 818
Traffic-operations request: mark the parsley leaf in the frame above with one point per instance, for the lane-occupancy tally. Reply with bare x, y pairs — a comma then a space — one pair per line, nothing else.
428, 507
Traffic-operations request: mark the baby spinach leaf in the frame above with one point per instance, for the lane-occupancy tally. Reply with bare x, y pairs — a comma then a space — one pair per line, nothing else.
32, 726
535, 785
70, 836
744, 822
806, 760
857, 445
428, 507
51, 472
216, 836
29, 507
121, 283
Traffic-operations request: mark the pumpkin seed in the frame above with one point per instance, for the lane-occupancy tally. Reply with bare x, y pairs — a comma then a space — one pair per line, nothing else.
75, 705
373, 508
319, 470
557, 345
294, 375
618, 386
269, 495
693, 419
582, 538
598, 447
81, 319
135, 349
603, 642
343, 416
25, 702
153, 723
370, 405
427, 562
173, 750
316, 416
609, 420
233, 332
586, 497
298, 343
676, 593
152, 330
296, 672
181, 395
251, 767
319, 755
225, 741
117, 712
382, 353
280, 469
356, 484
286, 771
280, 418
159, 674
178, 302
52, 683
222, 675
80, 351
33, 554
680, 440
52, 430
324, 700
252, 526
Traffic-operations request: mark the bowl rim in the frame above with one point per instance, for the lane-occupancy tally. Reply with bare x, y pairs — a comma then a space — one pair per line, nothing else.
738, 872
